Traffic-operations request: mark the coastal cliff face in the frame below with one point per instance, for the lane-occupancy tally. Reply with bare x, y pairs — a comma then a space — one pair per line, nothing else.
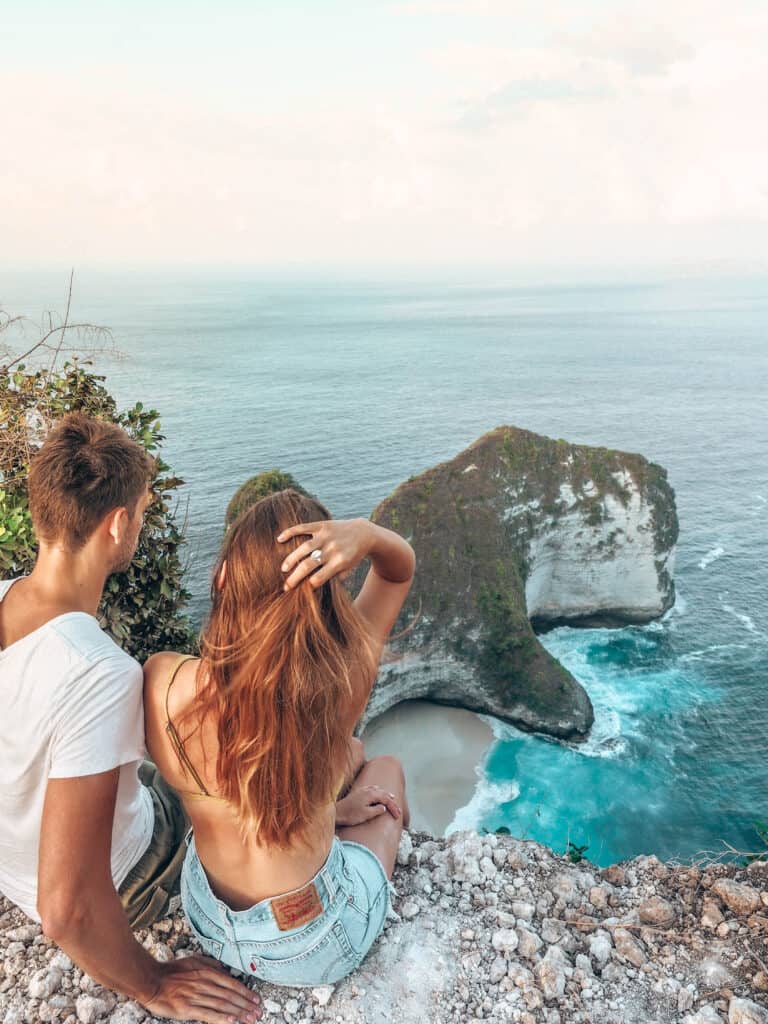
517, 529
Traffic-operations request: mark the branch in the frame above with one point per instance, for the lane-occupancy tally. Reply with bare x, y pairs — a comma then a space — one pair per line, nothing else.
64, 326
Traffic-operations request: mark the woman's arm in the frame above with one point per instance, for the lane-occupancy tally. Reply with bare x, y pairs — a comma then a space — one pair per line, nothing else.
343, 544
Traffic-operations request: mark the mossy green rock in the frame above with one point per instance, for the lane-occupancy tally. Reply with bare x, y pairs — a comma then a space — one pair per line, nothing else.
256, 488
520, 525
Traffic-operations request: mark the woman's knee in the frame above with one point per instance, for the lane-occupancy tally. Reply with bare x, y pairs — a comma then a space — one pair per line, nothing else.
389, 765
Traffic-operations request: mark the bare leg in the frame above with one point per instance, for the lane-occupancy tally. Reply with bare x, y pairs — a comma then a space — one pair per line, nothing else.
382, 834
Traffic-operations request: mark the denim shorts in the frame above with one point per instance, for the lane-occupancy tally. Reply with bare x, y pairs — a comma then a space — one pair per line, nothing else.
355, 895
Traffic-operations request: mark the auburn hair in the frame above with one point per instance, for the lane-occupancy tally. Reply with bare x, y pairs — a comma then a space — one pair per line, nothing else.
280, 671
85, 469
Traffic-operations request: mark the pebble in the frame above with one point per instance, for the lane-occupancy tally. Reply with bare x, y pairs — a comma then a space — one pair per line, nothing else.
89, 1009
744, 1011
505, 940
739, 897
657, 911
45, 982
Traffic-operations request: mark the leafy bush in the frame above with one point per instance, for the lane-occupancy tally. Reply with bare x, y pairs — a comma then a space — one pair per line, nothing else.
143, 608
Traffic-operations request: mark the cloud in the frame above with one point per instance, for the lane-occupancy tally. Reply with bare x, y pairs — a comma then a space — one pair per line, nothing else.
642, 49
561, 147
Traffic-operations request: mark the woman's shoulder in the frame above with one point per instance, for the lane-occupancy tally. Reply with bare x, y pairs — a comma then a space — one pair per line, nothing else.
159, 670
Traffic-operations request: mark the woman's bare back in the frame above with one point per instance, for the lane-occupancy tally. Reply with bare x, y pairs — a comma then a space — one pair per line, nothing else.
240, 872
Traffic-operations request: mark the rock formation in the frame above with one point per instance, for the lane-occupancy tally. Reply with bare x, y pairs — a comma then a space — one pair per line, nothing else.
517, 529
487, 928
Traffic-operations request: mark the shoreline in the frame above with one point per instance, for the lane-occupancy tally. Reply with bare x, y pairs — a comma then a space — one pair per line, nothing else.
442, 750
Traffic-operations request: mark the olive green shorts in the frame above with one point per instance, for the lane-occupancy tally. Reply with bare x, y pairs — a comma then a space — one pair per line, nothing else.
152, 882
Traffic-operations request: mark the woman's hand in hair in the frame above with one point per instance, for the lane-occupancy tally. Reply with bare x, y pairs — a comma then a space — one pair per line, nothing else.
343, 544
364, 803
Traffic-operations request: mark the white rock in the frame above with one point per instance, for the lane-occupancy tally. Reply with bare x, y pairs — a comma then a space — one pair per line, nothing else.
322, 994
127, 1013
270, 1006
498, 970
744, 1011
505, 940
523, 910
706, 1014
24, 933
550, 976
600, 946
529, 943
564, 887
89, 1009
405, 848
740, 898
629, 947
410, 909
657, 912
45, 982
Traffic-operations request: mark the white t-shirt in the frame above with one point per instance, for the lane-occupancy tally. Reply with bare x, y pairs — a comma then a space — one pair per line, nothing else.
71, 705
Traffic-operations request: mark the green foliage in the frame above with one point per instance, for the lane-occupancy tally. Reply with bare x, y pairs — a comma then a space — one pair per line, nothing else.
761, 828
143, 608
574, 853
258, 487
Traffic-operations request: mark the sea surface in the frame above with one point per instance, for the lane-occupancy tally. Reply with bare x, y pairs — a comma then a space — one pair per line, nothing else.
355, 386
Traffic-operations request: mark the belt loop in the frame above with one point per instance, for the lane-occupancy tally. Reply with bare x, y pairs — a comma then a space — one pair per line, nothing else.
330, 870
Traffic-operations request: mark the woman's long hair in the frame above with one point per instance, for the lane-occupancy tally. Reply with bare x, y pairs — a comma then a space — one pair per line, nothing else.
282, 670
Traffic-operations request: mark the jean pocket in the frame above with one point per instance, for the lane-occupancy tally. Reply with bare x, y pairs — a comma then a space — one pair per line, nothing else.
362, 918
328, 958
206, 931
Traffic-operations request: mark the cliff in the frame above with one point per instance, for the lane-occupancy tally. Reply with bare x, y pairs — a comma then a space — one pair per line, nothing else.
488, 928
521, 531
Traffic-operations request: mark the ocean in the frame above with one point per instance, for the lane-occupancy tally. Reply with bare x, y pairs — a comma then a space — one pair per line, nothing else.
355, 386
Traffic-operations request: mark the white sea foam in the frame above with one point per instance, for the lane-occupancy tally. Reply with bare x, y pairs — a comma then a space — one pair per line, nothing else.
605, 738
713, 649
711, 556
488, 796
677, 611
746, 621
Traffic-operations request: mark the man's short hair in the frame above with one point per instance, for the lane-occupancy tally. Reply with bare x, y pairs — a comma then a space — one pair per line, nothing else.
85, 469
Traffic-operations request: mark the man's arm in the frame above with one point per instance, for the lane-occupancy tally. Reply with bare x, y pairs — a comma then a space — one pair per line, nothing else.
81, 911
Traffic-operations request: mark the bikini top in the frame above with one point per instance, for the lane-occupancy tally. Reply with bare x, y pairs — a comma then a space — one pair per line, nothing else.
178, 745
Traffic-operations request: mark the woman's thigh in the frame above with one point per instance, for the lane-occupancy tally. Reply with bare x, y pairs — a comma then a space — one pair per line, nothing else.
381, 834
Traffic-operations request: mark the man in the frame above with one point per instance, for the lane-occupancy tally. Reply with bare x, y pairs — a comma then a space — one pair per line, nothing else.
76, 824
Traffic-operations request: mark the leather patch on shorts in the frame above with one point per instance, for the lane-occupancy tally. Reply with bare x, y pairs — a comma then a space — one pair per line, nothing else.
297, 908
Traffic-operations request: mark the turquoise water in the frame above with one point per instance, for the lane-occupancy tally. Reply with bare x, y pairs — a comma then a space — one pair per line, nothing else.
353, 387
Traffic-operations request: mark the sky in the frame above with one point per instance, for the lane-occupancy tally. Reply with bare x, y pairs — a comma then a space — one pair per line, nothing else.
395, 134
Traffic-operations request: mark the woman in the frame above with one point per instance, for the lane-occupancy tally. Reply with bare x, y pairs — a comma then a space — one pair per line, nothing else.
286, 878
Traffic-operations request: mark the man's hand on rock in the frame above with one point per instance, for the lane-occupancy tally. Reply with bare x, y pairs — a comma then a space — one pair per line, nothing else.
198, 988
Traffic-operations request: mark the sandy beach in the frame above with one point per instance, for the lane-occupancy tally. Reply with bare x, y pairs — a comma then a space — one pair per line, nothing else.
441, 749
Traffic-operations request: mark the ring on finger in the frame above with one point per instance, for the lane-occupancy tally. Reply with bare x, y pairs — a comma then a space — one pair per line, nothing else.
317, 555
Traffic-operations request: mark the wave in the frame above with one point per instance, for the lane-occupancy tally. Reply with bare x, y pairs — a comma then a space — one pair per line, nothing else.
677, 611
486, 799
713, 649
711, 556
746, 620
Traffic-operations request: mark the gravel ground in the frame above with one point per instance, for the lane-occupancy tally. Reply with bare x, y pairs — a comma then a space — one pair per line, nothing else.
487, 928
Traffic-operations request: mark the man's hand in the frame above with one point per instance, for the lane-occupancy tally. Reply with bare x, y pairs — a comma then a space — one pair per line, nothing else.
82, 913
198, 988
365, 803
